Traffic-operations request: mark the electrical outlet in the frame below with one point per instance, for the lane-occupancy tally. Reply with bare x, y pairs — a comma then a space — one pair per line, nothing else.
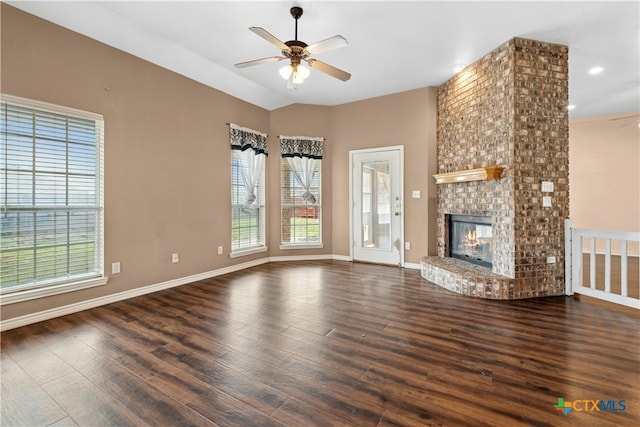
551, 260
175, 257
115, 268
416, 194
220, 250
407, 245
546, 202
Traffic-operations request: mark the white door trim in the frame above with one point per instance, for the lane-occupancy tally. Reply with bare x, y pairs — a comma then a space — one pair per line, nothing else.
352, 153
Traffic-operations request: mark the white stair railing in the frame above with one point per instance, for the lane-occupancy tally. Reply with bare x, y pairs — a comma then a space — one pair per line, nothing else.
574, 269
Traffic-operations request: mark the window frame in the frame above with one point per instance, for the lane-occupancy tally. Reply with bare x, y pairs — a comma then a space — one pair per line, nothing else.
260, 206
67, 282
294, 185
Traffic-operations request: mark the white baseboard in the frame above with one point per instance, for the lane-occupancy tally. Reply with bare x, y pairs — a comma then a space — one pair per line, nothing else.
412, 266
300, 258
40, 316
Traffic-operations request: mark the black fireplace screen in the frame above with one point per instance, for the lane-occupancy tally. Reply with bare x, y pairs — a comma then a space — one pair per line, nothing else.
470, 239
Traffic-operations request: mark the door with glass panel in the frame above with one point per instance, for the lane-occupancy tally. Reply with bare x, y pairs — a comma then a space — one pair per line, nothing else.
376, 214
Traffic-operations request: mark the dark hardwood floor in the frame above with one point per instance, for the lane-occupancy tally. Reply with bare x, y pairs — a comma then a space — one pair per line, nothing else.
323, 343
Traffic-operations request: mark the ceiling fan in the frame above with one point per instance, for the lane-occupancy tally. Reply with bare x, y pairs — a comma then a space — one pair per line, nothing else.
297, 51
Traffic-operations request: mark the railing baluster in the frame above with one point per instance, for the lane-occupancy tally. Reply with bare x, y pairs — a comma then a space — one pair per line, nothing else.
577, 263
623, 268
607, 265
592, 262
568, 257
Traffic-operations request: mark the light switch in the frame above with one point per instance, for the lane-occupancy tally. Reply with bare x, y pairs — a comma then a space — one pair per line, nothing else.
547, 187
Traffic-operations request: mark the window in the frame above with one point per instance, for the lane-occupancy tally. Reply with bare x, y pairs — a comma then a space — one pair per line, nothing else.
300, 183
51, 216
248, 151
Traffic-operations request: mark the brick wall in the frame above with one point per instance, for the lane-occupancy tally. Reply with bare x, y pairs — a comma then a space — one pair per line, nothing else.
509, 109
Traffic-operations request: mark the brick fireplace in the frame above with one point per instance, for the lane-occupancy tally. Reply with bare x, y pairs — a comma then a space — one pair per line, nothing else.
507, 110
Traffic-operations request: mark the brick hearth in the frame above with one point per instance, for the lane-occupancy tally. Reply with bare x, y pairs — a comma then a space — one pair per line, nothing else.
508, 109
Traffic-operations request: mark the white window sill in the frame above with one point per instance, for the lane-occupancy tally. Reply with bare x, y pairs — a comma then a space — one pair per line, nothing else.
29, 294
301, 246
246, 252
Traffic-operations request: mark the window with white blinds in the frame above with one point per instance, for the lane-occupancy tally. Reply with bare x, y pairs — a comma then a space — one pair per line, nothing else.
247, 223
51, 198
249, 151
301, 218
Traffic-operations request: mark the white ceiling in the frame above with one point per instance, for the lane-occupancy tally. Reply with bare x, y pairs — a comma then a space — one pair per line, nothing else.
393, 46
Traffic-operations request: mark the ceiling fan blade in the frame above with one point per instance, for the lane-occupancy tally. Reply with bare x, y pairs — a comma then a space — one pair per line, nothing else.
269, 37
259, 61
624, 117
329, 69
326, 45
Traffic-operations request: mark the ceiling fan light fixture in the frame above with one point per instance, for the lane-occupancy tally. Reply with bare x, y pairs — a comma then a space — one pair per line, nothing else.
286, 71
294, 73
300, 73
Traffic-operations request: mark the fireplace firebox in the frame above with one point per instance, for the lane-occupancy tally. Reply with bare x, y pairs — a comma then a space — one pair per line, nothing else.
470, 239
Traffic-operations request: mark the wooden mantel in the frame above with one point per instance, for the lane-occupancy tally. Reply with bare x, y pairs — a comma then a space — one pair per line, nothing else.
480, 174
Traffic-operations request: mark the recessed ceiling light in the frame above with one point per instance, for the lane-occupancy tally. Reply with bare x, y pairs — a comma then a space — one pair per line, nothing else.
458, 67
596, 70
571, 107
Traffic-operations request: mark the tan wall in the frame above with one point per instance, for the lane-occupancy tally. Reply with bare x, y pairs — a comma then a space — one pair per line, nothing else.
299, 120
168, 164
407, 119
604, 154
167, 155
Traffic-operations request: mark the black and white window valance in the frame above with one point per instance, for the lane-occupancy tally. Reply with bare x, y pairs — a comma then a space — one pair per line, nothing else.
250, 148
244, 139
301, 146
304, 154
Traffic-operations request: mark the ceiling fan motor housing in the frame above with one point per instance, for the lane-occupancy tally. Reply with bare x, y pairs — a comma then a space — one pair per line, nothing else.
296, 12
296, 52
